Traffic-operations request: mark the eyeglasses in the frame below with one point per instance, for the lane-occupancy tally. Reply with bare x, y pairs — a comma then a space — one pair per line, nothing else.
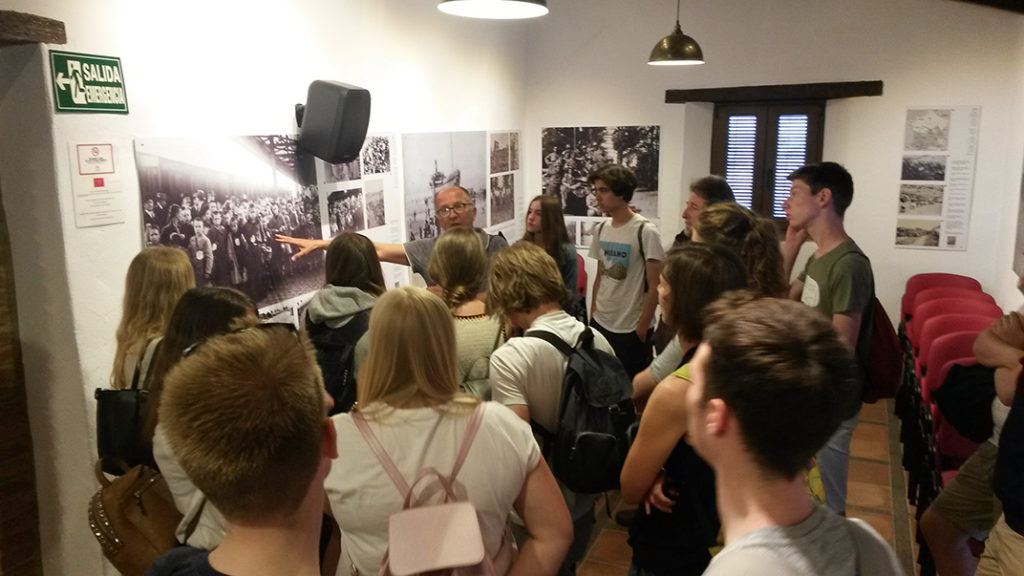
191, 348
456, 209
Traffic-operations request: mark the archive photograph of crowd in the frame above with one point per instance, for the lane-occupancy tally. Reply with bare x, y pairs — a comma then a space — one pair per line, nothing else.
702, 391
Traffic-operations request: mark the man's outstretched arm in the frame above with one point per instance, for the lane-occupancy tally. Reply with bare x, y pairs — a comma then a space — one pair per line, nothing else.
392, 253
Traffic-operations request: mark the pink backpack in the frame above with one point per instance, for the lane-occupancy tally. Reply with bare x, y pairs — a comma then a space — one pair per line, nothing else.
437, 538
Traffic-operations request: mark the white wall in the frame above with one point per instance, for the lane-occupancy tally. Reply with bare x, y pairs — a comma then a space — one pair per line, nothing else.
191, 68
587, 66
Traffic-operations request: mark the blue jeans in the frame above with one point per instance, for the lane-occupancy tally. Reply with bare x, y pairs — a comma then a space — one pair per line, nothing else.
834, 464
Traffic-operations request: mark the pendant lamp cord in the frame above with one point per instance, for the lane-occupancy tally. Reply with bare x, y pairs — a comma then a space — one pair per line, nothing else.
677, 12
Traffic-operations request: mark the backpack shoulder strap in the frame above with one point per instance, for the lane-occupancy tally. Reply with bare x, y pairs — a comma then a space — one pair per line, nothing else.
380, 453
141, 377
640, 242
553, 339
467, 440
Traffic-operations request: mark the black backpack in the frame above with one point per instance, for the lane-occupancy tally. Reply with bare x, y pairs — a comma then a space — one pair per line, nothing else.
336, 355
587, 451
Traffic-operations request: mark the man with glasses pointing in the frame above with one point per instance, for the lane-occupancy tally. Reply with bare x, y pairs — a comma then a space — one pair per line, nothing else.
453, 208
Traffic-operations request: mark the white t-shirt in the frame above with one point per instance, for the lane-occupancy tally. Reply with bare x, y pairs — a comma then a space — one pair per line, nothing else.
187, 498
620, 297
363, 496
529, 371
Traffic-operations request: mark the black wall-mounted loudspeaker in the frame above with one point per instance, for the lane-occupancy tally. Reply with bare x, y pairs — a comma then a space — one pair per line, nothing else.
333, 122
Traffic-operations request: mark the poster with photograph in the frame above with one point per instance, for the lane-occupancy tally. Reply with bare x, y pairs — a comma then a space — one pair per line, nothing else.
377, 155
432, 162
940, 146
569, 155
222, 200
345, 210
502, 199
363, 196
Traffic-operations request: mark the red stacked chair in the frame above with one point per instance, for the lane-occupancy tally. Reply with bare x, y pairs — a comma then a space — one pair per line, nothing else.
937, 301
920, 282
936, 326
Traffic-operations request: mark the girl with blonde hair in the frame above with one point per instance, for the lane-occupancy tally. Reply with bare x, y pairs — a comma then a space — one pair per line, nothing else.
459, 265
156, 279
409, 400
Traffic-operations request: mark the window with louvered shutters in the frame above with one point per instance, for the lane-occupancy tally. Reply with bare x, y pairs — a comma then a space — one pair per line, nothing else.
757, 145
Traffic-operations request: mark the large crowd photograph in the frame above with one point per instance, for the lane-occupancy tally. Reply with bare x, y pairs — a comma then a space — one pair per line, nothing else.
222, 200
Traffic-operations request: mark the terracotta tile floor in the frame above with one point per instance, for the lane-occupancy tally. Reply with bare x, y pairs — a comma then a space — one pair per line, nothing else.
874, 457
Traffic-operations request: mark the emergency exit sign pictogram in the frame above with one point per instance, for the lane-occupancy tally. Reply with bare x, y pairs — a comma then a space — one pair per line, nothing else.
87, 83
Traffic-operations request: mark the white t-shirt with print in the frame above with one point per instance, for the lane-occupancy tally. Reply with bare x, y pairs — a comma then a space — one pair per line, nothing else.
620, 297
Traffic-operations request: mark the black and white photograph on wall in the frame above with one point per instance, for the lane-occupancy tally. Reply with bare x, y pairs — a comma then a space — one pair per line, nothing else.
434, 161
377, 155
513, 150
927, 130
570, 155
499, 152
586, 233
503, 196
917, 232
222, 200
374, 190
343, 172
924, 168
921, 199
345, 211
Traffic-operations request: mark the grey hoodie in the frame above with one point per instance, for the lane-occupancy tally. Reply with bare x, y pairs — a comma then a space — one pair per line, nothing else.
335, 305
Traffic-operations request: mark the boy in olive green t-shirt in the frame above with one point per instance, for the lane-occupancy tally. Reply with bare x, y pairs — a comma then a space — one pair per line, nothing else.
837, 281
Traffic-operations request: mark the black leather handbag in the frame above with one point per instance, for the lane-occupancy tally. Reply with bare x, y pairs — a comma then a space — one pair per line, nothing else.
120, 417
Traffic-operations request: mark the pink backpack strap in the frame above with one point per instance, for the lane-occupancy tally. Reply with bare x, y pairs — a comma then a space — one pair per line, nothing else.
380, 453
389, 465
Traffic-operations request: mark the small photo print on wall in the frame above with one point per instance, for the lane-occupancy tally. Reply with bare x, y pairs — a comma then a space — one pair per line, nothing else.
513, 150
927, 130
377, 155
374, 190
586, 232
917, 232
921, 199
499, 152
432, 162
503, 193
570, 155
345, 211
924, 168
334, 173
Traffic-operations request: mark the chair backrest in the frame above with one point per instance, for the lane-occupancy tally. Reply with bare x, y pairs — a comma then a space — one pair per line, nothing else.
941, 306
936, 293
919, 282
946, 348
944, 324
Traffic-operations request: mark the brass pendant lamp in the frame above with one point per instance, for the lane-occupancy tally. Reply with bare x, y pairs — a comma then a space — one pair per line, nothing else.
676, 49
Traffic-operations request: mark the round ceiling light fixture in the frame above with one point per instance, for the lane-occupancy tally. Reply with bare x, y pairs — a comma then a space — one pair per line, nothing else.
495, 9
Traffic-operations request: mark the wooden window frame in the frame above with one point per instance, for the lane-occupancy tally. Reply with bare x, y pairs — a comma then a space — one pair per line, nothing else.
768, 113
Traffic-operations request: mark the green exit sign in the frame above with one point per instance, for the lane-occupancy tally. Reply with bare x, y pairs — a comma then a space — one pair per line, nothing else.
87, 83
